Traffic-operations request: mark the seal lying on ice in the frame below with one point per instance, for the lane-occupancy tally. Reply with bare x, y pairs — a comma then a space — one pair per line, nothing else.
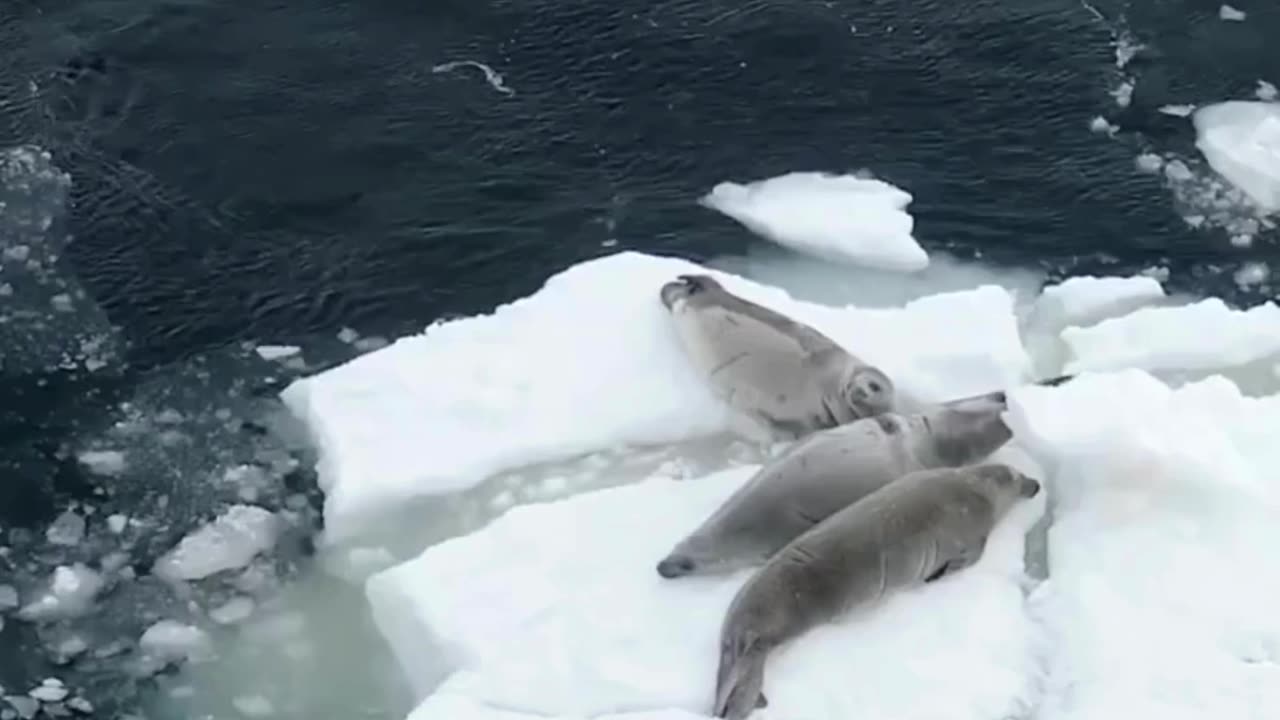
925, 525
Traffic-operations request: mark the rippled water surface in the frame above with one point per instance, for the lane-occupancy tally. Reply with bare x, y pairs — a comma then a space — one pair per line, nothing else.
221, 173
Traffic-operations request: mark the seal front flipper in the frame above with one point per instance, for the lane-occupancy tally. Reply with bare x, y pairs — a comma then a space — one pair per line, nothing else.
961, 560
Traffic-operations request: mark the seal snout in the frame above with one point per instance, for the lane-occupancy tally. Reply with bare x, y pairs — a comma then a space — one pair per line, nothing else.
675, 566
1030, 487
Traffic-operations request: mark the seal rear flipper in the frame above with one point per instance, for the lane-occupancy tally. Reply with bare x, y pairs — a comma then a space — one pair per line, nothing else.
740, 690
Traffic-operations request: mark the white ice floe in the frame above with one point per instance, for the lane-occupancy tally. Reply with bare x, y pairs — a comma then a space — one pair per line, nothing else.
1162, 587
227, 543
838, 217
588, 362
103, 462
1085, 299
1226, 12
172, 641
277, 352
70, 592
556, 609
1241, 141
1207, 335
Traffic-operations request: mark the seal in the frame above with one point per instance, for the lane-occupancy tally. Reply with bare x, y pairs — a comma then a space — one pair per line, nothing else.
924, 526
783, 377
830, 469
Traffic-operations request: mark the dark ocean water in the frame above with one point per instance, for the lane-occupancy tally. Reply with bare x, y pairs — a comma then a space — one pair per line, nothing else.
276, 171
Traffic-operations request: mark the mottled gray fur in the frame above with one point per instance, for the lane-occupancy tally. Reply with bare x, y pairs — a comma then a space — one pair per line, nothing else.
925, 525
830, 469
784, 376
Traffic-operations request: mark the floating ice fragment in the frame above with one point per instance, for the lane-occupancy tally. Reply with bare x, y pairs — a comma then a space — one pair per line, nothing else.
1266, 91
277, 352
233, 611
80, 705
842, 218
227, 543
103, 462
1202, 336
1100, 125
253, 705
1252, 273
1178, 110
1085, 299
117, 522
49, 693
71, 592
170, 641
1226, 12
8, 597
67, 529
26, 707
1241, 141
347, 335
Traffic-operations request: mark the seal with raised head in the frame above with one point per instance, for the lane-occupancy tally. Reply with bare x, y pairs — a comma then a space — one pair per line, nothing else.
785, 377
912, 531
830, 469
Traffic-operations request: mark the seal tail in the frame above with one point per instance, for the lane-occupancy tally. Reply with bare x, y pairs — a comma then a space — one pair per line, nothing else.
740, 681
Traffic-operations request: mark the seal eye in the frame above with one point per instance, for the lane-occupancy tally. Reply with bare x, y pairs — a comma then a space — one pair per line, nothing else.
875, 386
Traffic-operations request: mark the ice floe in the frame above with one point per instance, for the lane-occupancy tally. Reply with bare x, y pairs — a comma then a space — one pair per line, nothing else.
588, 362
854, 219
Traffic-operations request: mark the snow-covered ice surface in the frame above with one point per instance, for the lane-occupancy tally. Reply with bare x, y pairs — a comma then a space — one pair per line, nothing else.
1241, 140
613, 636
529, 382
857, 220
1204, 335
1161, 601
554, 609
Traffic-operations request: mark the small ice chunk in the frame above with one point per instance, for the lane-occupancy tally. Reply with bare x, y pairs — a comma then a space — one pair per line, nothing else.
846, 218
253, 705
1241, 141
26, 707
80, 705
116, 523
49, 693
277, 352
103, 462
70, 593
1101, 125
235, 610
227, 543
67, 529
1205, 335
1226, 12
62, 302
1252, 273
1123, 93
347, 335
1086, 299
1149, 163
1266, 91
8, 597
171, 641
1178, 110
